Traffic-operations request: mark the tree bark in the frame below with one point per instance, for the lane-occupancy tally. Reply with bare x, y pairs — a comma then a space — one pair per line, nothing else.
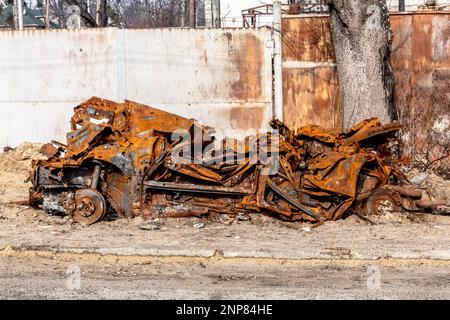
90, 19
183, 10
15, 15
209, 20
362, 40
103, 15
192, 14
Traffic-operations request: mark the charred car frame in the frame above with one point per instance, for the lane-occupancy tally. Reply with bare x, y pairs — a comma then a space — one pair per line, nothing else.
131, 160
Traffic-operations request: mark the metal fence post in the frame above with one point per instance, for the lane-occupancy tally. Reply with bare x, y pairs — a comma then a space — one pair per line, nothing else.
278, 62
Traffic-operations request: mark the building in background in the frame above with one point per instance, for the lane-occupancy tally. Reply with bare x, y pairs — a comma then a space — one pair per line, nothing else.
32, 18
415, 5
231, 12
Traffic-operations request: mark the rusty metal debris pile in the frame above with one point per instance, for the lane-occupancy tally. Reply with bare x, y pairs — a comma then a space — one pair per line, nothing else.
135, 160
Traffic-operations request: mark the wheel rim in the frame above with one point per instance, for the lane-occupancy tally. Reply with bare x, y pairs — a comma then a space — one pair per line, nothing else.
90, 206
379, 204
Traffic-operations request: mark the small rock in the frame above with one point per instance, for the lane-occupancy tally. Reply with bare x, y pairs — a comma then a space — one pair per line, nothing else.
45, 227
420, 178
152, 226
306, 229
242, 217
442, 210
199, 225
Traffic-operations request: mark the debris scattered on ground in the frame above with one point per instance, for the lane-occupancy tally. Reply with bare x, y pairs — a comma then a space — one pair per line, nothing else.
386, 208
392, 217
242, 217
151, 226
141, 161
306, 229
198, 225
438, 187
419, 179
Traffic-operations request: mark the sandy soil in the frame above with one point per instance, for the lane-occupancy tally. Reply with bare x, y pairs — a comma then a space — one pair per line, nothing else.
31, 275
262, 258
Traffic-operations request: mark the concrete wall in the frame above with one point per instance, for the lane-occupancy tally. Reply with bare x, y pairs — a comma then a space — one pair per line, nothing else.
220, 77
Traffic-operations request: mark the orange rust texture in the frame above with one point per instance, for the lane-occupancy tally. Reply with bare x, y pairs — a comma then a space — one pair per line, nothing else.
245, 118
246, 52
308, 97
135, 128
421, 63
310, 92
307, 39
131, 159
249, 61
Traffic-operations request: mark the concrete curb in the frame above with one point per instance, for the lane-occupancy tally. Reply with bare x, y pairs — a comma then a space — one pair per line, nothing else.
338, 254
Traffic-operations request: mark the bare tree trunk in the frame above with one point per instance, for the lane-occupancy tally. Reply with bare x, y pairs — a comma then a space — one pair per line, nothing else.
216, 14
192, 14
103, 16
362, 40
15, 14
208, 14
47, 14
183, 10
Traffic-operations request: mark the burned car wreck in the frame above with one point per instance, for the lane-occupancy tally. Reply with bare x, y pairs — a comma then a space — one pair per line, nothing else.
134, 160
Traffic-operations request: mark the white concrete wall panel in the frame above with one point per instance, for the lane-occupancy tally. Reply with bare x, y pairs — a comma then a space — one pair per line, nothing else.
220, 77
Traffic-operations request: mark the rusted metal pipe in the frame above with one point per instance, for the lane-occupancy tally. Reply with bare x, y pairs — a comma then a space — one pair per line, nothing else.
18, 15
278, 62
96, 176
280, 193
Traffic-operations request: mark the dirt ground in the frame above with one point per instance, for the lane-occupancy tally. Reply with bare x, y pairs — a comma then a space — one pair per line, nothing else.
31, 275
42, 256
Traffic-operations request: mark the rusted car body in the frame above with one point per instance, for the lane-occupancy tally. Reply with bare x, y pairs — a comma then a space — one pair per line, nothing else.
135, 160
